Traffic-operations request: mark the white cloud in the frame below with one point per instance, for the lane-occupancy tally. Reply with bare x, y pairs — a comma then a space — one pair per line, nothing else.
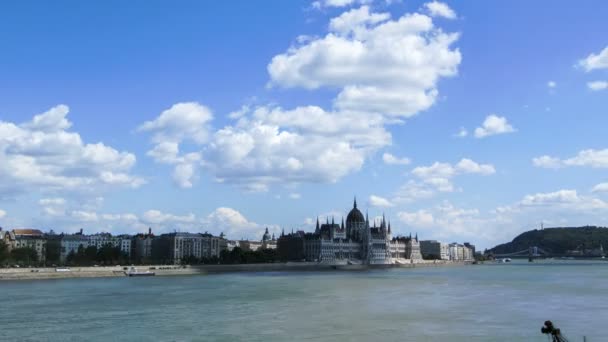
377, 201
420, 218
235, 225
186, 120
41, 154
84, 216
380, 65
158, 217
412, 191
462, 133
295, 195
589, 158
492, 125
593, 61
2, 213
551, 84
439, 174
440, 9
337, 3
183, 122
547, 162
568, 199
466, 165
390, 159
602, 187
597, 85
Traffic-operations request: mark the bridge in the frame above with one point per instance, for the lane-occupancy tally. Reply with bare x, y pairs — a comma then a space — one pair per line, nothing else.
530, 252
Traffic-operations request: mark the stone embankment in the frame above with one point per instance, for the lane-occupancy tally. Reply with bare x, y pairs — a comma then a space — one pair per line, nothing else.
171, 270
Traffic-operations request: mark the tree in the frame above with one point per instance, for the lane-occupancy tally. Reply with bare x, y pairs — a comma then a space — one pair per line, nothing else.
53, 251
24, 256
3, 253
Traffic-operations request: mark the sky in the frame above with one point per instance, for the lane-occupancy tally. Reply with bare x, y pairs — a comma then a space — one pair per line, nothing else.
460, 121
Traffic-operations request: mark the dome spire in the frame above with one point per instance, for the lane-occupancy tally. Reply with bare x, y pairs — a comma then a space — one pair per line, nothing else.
355, 203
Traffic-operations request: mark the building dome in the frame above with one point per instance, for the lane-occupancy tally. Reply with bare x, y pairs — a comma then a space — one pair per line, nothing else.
355, 215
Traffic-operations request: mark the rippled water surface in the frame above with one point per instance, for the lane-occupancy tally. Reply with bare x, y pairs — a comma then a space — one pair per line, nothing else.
497, 302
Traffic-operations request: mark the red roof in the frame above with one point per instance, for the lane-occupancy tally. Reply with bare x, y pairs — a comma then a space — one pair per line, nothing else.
27, 231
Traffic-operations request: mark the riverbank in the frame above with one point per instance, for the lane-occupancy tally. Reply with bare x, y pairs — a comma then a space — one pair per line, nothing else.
174, 270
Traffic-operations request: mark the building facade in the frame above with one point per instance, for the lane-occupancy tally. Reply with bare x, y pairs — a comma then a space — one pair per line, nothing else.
432, 249
30, 238
357, 242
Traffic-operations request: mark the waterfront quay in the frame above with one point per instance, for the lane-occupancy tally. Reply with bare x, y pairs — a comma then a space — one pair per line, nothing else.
176, 270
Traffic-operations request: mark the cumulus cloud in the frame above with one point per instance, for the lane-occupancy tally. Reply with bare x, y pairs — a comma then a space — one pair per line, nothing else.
383, 68
235, 225
380, 65
492, 125
439, 174
567, 199
602, 187
2, 213
595, 61
295, 195
377, 201
588, 158
158, 217
597, 85
440, 9
186, 120
551, 84
390, 159
182, 122
42, 154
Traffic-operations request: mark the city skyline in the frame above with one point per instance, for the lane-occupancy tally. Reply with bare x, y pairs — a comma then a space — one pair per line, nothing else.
450, 118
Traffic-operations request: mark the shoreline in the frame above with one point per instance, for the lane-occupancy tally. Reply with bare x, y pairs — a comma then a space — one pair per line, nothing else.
42, 273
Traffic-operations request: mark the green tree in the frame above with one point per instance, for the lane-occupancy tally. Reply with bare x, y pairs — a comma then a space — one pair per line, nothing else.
24, 256
53, 251
3, 253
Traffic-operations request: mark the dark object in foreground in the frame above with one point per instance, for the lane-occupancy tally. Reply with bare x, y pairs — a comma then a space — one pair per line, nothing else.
551, 330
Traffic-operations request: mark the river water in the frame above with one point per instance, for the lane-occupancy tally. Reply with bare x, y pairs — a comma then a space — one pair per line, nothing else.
492, 302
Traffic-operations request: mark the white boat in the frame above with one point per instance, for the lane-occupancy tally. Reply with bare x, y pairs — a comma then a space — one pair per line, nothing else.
133, 272
503, 260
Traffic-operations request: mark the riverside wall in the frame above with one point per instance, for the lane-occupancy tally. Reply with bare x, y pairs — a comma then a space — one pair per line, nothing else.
174, 270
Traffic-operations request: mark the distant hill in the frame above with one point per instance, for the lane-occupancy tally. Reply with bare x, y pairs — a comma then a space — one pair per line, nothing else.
558, 241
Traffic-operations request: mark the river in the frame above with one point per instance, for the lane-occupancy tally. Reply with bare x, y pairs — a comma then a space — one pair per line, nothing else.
491, 302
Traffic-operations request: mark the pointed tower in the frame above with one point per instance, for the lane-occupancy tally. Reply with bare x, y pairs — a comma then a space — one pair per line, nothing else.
332, 221
342, 225
317, 229
355, 203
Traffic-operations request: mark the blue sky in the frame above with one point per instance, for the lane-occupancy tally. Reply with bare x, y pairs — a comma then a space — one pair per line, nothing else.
233, 116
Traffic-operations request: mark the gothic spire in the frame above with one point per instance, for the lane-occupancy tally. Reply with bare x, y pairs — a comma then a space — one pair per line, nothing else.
355, 203
342, 226
332, 220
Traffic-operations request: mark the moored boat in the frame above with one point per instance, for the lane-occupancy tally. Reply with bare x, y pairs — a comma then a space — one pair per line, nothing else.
133, 272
